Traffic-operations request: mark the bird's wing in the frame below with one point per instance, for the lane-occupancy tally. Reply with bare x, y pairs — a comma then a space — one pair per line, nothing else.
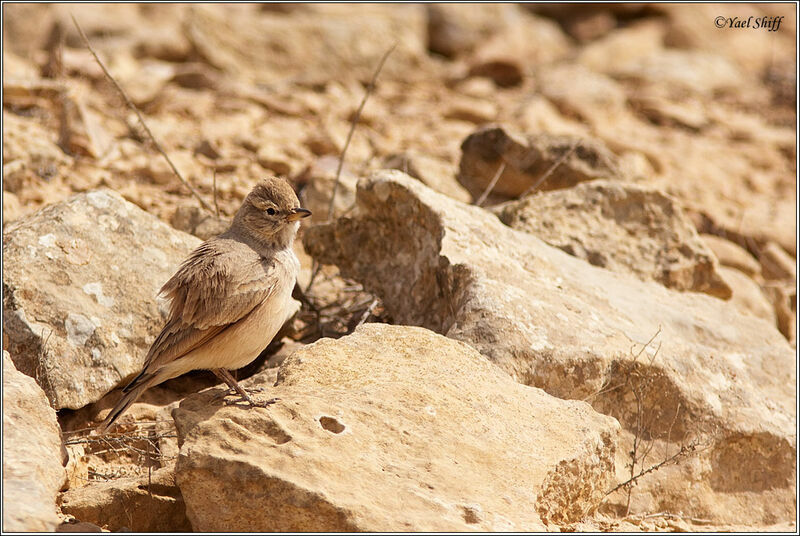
213, 289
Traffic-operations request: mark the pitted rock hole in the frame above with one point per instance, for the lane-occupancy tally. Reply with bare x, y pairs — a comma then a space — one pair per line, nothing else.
471, 515
331, 425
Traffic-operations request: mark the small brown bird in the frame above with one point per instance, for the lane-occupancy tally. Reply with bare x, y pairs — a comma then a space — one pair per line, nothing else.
229, 298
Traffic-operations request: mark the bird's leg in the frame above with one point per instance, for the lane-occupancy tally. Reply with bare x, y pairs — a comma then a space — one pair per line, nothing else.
226, 377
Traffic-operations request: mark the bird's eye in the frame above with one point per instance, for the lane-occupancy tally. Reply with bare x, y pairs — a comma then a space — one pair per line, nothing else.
271, 211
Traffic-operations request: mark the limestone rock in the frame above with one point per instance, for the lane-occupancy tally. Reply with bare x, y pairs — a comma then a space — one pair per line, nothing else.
454, 31
11, 207
320, 179
433, 172
196, 221
597, 96
78, 526
528, 160
35, 152
784, 302
747, 294
678, 70
732, 255
15, 67
710, 175
469, 109
525, 41
621, 227
555, 322
80, 284
750, 50
776, 263
264, 46
689, 113
143, 504
446, 441
32, 455
625, 45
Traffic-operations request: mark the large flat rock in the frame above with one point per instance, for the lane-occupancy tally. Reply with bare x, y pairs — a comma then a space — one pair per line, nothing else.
392, 428
554, 321
80, 280
32, 455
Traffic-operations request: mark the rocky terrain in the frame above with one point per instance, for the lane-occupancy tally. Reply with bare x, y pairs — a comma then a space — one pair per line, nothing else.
555, 288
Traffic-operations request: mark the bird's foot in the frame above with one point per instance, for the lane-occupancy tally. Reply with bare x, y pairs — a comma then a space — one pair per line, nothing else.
253, 403
234, 392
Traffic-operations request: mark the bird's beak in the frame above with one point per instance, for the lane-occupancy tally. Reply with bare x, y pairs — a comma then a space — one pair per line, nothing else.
298, 214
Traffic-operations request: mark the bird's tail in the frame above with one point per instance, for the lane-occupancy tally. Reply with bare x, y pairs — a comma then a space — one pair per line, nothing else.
132, 392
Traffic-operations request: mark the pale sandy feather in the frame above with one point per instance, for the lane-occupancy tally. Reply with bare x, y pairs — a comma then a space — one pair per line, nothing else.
227, 302
229, 297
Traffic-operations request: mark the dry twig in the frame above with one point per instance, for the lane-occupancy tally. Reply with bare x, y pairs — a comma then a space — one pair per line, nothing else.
551, 169
685, 450
139, 115
367, 312
639, 382
353, 123
500, 169
315, 267
214, 186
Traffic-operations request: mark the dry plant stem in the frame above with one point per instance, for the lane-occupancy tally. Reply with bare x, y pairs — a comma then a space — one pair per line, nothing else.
141, 119
367, 312
315, 265
500, 169
149, 462
642, 449
315, 268
214, 186
137, 423
670, 515
638, 392
551, 169
353, 123
40, 365
685, 450
606, 389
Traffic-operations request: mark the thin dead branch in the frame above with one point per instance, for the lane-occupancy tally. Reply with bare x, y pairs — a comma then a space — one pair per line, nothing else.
639, 381
214, 186
334, 313
353, 123
315, 267
367, 312
143, 446
684, 451
605, 388
639, 384
670, 515
551, 169
500, 169
141, 119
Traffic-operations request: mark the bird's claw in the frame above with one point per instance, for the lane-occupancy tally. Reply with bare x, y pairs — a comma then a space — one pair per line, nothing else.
251, 402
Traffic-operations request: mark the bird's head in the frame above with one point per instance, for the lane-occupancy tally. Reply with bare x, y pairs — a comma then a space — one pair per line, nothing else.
271, 212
